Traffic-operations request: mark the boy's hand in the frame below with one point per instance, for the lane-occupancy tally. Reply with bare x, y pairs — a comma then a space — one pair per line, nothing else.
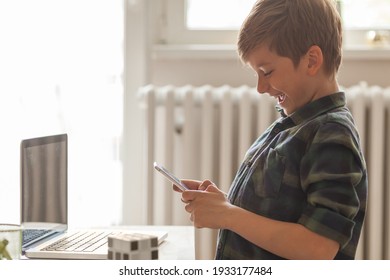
193, 185
208, 206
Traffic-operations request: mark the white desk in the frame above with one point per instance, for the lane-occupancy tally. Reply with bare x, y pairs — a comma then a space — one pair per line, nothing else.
179, 244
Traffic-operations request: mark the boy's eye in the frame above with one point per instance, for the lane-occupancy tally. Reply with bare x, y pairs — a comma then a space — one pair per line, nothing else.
268, 73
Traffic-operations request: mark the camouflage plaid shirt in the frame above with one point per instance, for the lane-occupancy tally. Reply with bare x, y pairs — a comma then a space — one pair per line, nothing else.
307, 168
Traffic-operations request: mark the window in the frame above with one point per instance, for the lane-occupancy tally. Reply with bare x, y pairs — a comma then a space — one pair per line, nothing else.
201, 14
217, 21
366, 14
183, 22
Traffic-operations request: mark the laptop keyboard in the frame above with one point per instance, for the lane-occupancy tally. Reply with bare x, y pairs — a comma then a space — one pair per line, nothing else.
81, 241
32, 234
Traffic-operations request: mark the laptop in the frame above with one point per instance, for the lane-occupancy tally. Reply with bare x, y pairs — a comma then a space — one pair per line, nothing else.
43, 194
44, 206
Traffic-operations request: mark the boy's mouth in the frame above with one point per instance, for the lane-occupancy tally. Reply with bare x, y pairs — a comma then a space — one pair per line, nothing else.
281, 98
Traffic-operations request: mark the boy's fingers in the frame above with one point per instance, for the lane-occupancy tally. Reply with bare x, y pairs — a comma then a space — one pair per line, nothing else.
191, 184
188, 196
212, 188
205, 184
176, 189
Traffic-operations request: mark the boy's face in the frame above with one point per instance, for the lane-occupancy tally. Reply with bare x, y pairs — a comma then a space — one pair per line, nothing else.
277, 76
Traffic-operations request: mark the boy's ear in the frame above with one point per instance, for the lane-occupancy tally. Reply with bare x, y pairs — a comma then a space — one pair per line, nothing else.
315, 59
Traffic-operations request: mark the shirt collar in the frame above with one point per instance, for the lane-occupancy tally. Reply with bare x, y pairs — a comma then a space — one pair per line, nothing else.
316, 108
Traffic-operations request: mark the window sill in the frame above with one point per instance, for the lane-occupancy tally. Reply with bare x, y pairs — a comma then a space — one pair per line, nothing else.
197, 51
223, 52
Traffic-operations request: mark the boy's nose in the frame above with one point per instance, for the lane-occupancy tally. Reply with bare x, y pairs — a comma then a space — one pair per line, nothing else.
262, 85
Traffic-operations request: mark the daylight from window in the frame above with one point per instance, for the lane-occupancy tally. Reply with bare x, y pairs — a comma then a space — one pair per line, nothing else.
229, 14
366, 14
217, 14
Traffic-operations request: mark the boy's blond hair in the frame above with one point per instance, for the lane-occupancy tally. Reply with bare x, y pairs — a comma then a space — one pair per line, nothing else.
291, 27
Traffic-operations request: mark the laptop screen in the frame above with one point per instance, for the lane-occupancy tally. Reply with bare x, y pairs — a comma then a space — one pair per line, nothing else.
44, 180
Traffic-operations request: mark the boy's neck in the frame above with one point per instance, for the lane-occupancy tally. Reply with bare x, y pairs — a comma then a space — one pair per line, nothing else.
328, 87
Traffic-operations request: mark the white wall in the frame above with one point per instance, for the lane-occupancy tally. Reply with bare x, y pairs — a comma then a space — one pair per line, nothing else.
181, 71
373, 71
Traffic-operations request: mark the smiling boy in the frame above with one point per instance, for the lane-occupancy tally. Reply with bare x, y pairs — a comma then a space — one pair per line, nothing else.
301, 190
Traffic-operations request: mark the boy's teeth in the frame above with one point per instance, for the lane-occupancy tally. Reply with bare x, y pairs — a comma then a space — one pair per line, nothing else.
281, 98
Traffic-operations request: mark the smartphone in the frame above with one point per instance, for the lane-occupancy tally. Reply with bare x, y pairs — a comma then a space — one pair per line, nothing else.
170, 177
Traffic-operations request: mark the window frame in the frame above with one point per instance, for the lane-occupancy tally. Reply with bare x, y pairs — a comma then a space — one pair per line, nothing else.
175, 32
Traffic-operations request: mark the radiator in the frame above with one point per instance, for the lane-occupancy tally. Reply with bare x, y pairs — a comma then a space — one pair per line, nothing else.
204, 132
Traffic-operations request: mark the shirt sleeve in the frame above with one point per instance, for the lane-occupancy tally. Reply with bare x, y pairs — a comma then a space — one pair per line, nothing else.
330, 171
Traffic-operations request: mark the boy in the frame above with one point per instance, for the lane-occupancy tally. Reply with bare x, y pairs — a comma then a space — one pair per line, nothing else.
301, 191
